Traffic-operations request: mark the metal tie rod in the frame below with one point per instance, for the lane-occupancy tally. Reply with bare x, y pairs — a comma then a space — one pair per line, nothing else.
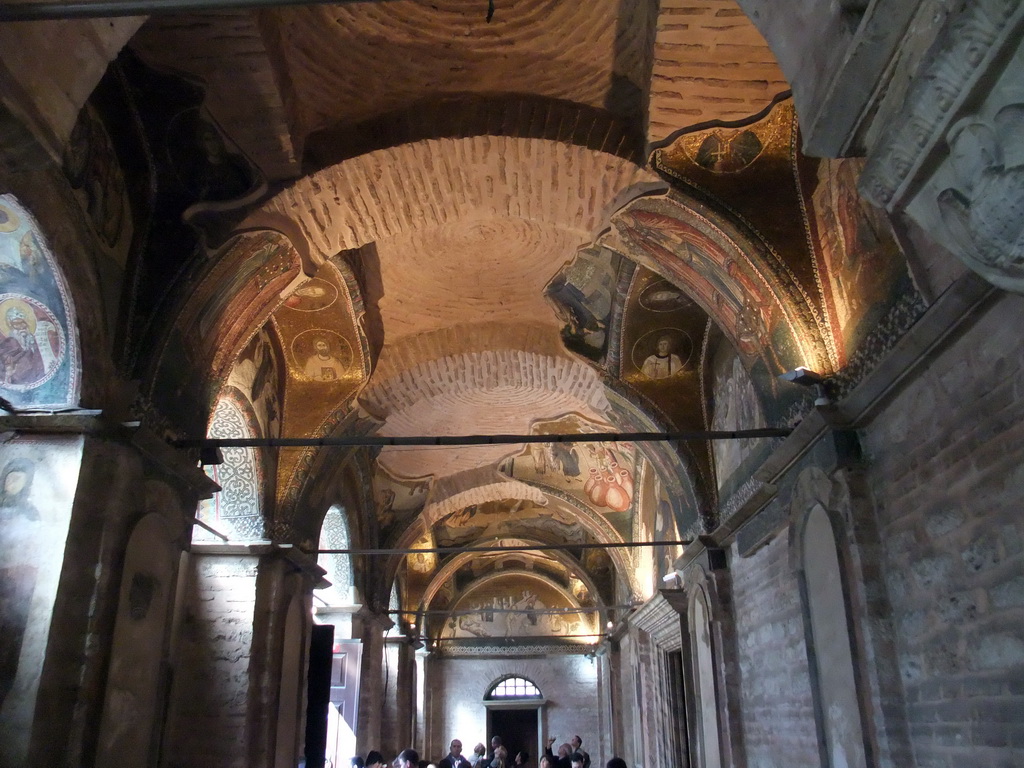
520, 548
463, 440
109, 9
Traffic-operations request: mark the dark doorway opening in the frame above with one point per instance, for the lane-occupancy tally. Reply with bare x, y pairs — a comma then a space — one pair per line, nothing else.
518, 731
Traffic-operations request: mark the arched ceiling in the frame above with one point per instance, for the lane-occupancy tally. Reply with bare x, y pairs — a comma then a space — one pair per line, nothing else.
465, 234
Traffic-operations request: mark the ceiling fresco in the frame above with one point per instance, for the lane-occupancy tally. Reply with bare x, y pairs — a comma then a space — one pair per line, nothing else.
475, 243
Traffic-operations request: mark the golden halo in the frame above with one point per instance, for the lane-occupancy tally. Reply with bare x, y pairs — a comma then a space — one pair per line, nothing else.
9, 220
9, 304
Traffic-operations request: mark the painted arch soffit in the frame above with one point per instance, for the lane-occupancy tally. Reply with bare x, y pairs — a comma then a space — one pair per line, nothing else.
758, 304
504, 604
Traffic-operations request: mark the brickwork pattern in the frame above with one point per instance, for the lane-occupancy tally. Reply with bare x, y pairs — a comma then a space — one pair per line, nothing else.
207, 714
776, 701
710, 63
948, 482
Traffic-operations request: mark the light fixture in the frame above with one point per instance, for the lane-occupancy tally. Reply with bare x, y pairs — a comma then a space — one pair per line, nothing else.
610, 625
805, 377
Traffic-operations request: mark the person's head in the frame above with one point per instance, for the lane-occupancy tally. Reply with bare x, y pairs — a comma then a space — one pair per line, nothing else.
16, 319
664, 347
322, 347
576, 742
578, 761
374, 759
357, 762
455, 747
547, 762
407, 758
495, 742
479, 749
616, 762
565, 750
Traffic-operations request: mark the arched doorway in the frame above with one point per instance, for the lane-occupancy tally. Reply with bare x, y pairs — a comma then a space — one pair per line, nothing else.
514, 706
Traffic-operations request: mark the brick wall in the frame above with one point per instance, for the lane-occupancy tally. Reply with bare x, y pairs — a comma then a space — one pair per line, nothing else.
948, 482
456, 688
207, 712
776, 701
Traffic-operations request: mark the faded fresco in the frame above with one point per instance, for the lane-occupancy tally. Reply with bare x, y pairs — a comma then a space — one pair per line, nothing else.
397, 502
862, 268
38, 346
38, 478
491, 611
555, 522
600, 475
583, 294
94, 172
736, 406
257, 375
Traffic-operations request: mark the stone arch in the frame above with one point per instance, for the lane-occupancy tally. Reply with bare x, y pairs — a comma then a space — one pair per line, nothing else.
742, 284
40, 365
449, 569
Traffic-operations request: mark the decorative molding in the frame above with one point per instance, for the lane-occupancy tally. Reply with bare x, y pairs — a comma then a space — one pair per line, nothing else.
962, 57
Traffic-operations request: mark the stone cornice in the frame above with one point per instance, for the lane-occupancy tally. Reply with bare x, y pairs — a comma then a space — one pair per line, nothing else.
962, 57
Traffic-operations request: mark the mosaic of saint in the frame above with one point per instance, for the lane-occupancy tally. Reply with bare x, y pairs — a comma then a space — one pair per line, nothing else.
38, 364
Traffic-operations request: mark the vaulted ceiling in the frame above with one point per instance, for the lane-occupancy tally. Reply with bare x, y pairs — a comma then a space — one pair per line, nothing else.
411, 219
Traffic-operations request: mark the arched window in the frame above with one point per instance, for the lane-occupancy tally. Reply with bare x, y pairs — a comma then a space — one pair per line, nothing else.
236, 510
514, 688
335, 535
39, 364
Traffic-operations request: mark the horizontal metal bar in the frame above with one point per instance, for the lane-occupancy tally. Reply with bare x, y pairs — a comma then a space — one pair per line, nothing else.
214, 531
109, 9
531, 611
524, 548
463, 440
517, 638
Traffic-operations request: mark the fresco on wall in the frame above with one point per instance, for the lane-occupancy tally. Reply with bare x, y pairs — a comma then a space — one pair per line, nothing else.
397, 501
862, 268
600, 475
736, 406
760, 308
38, 353
257, 375
93, 171
583, 293
493, 610
37, 486
492, 519
204, 165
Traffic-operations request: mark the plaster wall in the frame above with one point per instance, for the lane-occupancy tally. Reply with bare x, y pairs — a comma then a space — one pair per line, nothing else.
456, 688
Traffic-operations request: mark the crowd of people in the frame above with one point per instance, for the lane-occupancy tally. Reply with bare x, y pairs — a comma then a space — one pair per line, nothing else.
570, 755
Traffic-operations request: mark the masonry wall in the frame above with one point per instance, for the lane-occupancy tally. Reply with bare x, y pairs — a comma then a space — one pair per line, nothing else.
948, 481
456, 688
776, 699
207, 713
